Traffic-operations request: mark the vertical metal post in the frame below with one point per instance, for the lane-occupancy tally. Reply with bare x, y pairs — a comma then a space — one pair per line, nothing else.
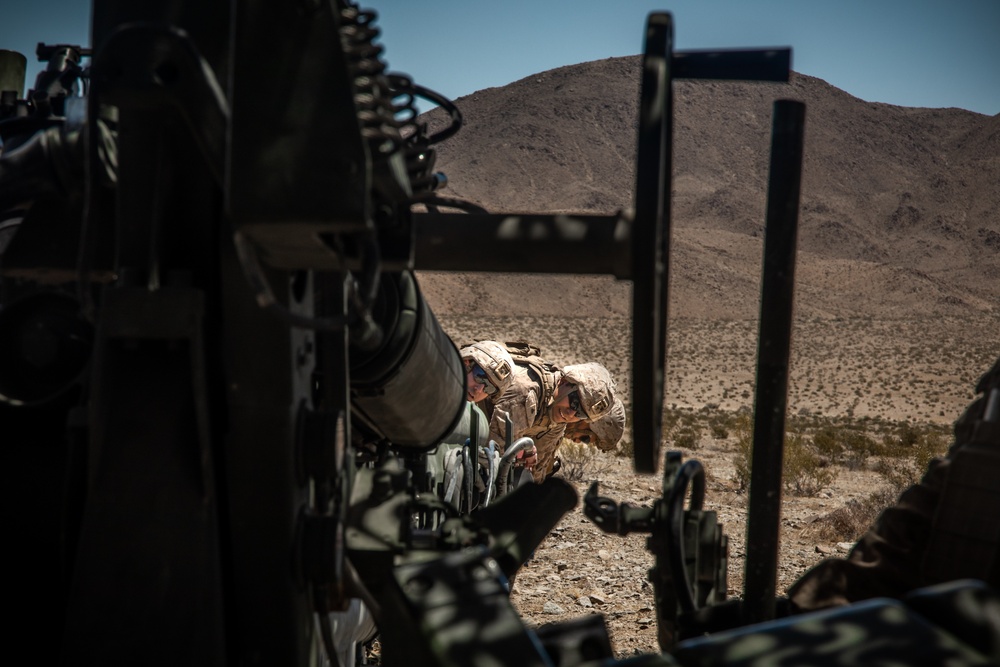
772, 359
651, 242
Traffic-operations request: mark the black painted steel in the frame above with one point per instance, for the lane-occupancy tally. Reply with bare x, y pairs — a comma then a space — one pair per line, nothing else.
758, 64
772, 359
525, 243
650, 238
650, 242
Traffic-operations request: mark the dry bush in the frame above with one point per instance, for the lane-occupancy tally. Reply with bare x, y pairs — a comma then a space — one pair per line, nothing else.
828, 443
858, 448
580, 461
744, 451
803, 471
720, 424
905, 453
846, 446
849, 523
901, 458
626, 448
688, 437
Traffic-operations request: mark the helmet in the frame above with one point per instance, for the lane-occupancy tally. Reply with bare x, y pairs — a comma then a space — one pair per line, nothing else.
596, 388
493, 358
608, 430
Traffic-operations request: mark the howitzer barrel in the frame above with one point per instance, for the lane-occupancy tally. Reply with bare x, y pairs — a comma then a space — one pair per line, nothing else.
411, 387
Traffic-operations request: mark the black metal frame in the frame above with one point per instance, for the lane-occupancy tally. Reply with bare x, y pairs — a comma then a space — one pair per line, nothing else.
212, 509
636, 249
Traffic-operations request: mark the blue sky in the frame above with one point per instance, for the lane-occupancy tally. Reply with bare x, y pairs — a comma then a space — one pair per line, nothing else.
924, 53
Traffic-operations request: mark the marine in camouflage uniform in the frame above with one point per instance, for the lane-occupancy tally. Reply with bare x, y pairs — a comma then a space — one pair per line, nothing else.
489, 370
945, 527
603, 433
541, 401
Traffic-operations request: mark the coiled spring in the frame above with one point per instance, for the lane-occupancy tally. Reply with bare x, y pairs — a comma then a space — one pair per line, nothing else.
372, 96
387, 104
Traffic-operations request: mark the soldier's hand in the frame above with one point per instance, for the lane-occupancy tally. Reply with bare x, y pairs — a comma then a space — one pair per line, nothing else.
528, 457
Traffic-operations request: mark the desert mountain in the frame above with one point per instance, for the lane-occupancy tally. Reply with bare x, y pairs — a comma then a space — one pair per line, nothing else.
899, 214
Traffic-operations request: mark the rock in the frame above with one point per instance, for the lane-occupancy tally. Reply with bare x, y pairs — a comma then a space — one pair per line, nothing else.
603, 554
824, 549
584, 601
552, 608
846, 546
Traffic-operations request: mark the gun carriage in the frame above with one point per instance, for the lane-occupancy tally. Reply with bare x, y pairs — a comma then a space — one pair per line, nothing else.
221, 381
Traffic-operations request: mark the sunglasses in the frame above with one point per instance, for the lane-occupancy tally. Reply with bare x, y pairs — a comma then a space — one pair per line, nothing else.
576, 406
479, 375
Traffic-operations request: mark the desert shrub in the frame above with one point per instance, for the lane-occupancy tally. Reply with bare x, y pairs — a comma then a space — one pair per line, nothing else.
688, 437
671, 417
905, 453
803, 471
858, 448
849, 523
719, 429
903, 441
626, 448
898, 473
744, 450
932, 444
828, 444
579, 461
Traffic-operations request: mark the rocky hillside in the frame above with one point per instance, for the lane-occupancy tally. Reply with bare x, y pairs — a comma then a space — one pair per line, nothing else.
899, 215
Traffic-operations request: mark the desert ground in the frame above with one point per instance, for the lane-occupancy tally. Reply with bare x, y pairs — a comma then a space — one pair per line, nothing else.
895, 300
920, 371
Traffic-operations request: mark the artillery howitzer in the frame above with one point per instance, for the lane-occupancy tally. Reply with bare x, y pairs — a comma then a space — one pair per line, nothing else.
220, 380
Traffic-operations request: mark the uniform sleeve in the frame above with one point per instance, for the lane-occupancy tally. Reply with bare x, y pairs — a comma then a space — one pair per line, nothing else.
547, 444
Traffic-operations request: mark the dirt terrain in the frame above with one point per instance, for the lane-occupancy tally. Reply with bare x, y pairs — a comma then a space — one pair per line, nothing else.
897, 294
895, 370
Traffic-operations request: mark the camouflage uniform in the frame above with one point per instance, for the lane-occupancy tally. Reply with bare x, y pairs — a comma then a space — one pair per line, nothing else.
603, 433
532, 394
946, 527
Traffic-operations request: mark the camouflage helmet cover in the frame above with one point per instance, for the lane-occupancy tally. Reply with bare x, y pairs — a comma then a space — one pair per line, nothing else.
609, 429
493, 358
596, 388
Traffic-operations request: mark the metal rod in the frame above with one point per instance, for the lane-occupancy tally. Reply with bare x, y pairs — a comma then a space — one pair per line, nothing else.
772, 360
650, 242
530, 243
753, 65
